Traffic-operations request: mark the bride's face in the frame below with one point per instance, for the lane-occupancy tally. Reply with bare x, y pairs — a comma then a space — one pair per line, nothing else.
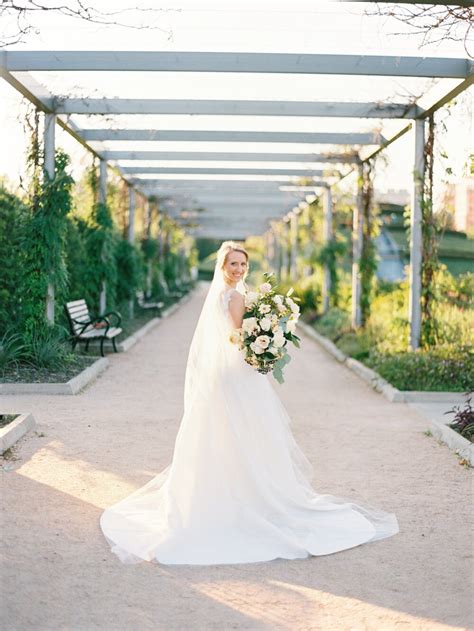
235, 266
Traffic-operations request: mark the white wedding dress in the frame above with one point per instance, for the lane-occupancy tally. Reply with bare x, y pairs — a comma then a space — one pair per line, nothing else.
238, 488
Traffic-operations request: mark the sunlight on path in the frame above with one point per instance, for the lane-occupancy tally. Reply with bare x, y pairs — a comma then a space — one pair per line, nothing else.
90, 450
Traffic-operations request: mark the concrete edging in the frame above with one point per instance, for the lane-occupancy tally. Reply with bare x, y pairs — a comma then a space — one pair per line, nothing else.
12, 432
373, 379
453, 440
73, 386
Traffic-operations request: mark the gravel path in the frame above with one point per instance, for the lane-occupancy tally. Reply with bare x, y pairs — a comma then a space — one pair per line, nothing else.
92, 449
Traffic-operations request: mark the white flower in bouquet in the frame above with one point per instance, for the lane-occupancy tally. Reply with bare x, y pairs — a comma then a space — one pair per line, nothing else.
279, 339
251, 298
258, 350
236, 336
291, 326
263, 341
265, 324
249, 325
269, 325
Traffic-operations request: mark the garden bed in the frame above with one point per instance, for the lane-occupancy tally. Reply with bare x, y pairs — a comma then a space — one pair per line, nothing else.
375, 380
32, 374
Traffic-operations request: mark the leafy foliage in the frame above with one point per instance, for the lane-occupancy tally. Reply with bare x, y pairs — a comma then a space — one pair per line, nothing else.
13, 217
43, 246
463, 421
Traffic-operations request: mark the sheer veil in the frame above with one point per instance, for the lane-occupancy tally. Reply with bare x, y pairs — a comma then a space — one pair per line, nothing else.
210, 347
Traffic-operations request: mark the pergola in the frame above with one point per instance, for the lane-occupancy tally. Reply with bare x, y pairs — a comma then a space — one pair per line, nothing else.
242, 190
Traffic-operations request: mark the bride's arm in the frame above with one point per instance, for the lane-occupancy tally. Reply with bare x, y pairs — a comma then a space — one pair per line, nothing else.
236, 308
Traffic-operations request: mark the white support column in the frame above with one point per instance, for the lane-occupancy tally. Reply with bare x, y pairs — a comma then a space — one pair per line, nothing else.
284, 249
327, 237
148, 219
103, 200
415, 234
131, 215
49, 167
357, 225
131, 233
293, 244
270, 250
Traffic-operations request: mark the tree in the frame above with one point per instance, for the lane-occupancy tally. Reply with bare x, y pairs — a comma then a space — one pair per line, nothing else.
18, 17
436, 22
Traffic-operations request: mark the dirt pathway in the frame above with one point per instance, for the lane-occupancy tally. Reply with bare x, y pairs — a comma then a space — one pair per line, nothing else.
91, 449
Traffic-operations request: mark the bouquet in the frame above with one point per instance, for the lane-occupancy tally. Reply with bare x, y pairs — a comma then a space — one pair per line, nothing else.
269, 324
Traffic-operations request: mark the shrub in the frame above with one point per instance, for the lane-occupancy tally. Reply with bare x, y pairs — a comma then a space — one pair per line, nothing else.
463, 421
13, 217
47, 348
334, 323
438, 369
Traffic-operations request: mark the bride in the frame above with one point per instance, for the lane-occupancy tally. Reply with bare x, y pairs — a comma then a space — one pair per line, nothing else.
238, 487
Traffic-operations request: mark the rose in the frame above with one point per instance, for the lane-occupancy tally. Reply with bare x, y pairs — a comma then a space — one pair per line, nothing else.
249, 325
236, 336
291, 326
279, 339
258, 350
262, 341
251, 298
264, 308
265, 288
281, 308
265, 324
278, 299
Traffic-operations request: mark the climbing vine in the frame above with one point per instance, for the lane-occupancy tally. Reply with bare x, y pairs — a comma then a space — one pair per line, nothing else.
45, 233
102, 243
370, 229
429, 258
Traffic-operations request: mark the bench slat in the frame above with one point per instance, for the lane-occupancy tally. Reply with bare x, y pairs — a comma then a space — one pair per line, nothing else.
76, 303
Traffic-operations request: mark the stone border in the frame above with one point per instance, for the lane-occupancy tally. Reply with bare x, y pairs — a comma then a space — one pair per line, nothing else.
463, 447
12, 432
373, 379
73, 386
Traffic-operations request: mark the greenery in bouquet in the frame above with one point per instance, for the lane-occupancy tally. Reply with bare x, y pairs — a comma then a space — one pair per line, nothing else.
268, 325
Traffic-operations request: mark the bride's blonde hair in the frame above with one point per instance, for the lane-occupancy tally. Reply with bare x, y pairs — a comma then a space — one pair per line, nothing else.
226, 248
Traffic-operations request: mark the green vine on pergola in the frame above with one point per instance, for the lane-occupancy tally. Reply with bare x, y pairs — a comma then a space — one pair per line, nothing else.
370, 229
50, 202
429, 235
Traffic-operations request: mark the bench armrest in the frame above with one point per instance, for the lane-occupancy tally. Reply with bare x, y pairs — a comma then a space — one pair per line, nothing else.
116, 315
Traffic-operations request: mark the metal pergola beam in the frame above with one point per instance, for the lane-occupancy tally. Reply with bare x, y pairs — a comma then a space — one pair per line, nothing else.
136, 170
268, 63
229, 107
214, 156
178, 135
211, 183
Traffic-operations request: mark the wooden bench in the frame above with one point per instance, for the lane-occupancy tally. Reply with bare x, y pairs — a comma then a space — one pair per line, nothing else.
145, 304
85, 328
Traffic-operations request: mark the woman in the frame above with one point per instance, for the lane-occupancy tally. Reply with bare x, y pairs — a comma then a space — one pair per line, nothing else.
237, 490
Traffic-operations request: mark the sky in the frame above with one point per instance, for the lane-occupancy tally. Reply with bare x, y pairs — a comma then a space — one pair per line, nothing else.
244, 26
